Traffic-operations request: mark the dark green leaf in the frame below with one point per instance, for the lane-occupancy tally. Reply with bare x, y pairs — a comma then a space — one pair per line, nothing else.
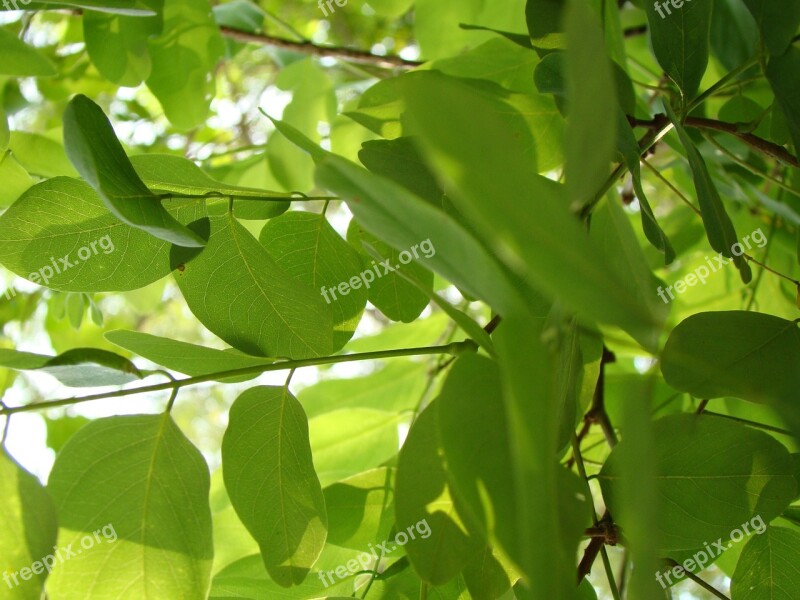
713, 475
719, 227
768, 566
778, 22
783, 73
680, 34
743, 354
98, 156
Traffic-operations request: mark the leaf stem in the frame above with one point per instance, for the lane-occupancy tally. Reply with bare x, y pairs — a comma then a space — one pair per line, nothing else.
454, 348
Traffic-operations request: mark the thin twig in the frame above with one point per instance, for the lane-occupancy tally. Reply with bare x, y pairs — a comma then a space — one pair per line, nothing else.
766, 147
338, 52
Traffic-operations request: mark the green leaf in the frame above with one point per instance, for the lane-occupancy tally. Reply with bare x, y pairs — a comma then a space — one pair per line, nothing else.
519, 212
133, 8
742, 354
164, 173
272, 314
719, 227
485, 577
247, 578
387, 210
60, 430
767, 568
81, 367
64, 217
117, 44
22, 60
143, 488
551, 502
41, 155
436, 24
783, 74
472, 430
360, 508
613, 235
183, 357
98, 156
306, 246
184, 57
349, 441
589, 141
778, 23
712, 474
28, 529
400, 161
422, 494
313, 100
395, 296
396, 387
16, 180
628, 148
681, 40
270, 478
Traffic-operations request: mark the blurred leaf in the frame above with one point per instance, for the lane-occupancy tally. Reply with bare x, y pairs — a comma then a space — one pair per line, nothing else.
349, 441
783, 74
522, 214
117, 44
21, 59
778, 23
422, 494
28, 530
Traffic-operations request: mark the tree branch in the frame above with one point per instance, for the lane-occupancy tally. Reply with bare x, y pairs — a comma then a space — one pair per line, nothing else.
338, 52
774, 150
455, 348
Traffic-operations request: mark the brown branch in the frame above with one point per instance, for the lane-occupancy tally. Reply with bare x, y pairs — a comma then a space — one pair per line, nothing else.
339, 52
774, 150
